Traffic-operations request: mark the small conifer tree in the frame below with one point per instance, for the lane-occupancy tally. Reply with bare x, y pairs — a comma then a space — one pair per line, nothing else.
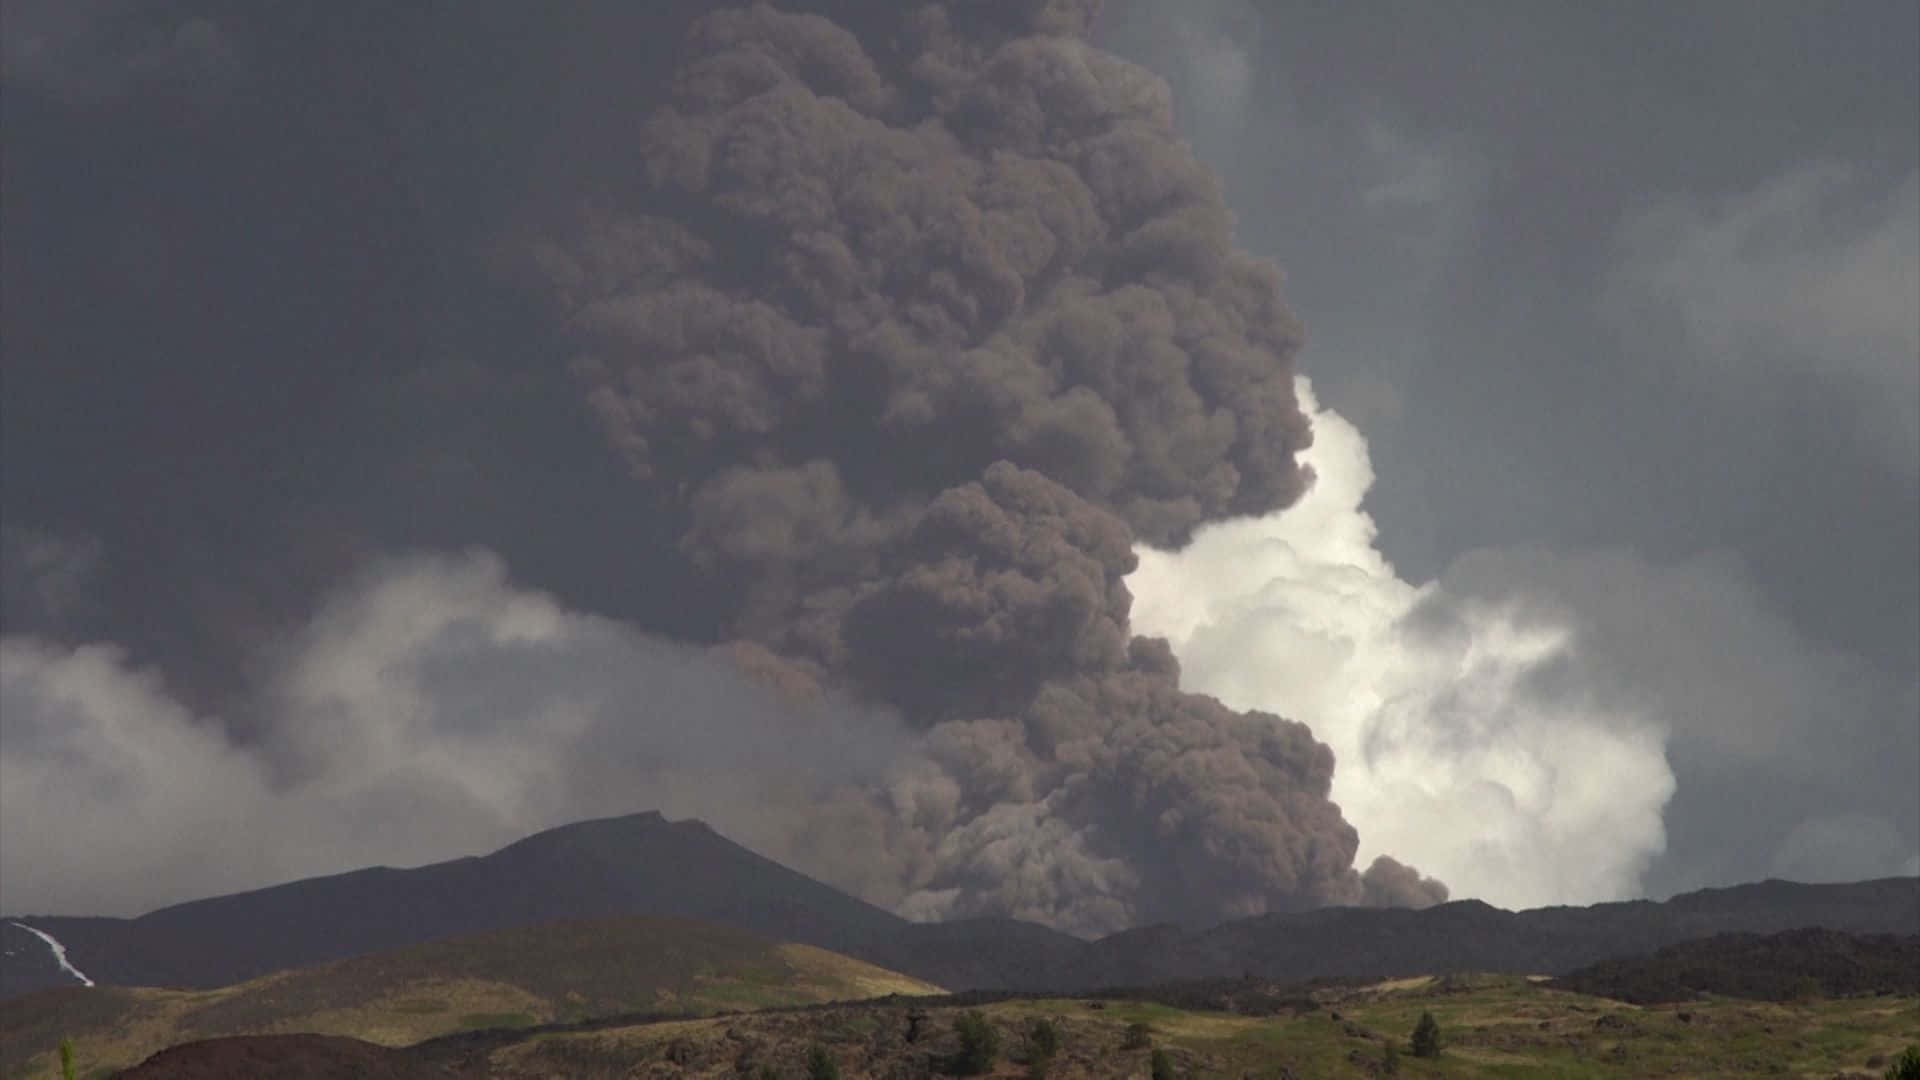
1426, 1037
66, 1059
979, 1043
1043, 1039
1908, 1067
1162, 1066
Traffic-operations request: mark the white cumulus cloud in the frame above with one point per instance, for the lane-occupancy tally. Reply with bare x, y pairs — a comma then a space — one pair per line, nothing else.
1467, 738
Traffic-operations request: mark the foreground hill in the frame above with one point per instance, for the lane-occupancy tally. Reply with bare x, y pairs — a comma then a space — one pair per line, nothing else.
1490, 1026
511, 978
645, 865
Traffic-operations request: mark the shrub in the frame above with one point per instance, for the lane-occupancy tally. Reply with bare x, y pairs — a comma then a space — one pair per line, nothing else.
1043, 1039
1426, 1037
1043, 1042
1162, 1067
979, 1043
1390, 1061
820, 1064
1908, 1067
1139, 1036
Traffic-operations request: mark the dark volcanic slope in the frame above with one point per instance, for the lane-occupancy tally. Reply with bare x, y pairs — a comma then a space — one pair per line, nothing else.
1769, 967
636, 865
1468, 935
646, 865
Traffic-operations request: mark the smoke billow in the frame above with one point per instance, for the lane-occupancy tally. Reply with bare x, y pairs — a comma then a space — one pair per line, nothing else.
920, 324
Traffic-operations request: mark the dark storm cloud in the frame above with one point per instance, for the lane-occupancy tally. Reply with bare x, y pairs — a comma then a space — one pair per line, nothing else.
48, 580
249, 338
89, 51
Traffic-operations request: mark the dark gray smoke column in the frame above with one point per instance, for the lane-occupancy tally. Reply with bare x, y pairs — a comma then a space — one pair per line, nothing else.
923, 315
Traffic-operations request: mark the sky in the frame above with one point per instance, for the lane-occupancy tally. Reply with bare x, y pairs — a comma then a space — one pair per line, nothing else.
1623, 300
340, 526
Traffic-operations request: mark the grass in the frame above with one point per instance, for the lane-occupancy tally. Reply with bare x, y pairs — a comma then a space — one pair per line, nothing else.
1498, 1027
1511, 1027
1493, 1026
518, 978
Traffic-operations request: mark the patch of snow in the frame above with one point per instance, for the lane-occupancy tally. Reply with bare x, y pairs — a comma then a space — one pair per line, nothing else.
59, 952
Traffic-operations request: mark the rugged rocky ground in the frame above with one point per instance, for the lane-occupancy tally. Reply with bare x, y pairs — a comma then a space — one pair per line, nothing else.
1491, 1026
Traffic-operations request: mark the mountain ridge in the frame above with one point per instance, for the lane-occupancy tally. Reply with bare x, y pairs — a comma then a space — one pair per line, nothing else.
589, 869
645, 864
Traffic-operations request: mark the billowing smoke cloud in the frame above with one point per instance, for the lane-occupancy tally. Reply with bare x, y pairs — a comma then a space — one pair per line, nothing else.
430, 710
1467, 728
925, 328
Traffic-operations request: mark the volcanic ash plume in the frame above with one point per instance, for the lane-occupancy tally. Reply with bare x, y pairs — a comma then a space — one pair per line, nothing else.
918, 325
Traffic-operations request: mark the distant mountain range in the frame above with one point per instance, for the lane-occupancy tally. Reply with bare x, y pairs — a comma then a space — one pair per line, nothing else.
644, 864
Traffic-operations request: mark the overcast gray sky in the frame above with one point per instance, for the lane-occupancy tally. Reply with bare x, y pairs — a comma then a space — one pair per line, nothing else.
1625, 299
1613, 310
